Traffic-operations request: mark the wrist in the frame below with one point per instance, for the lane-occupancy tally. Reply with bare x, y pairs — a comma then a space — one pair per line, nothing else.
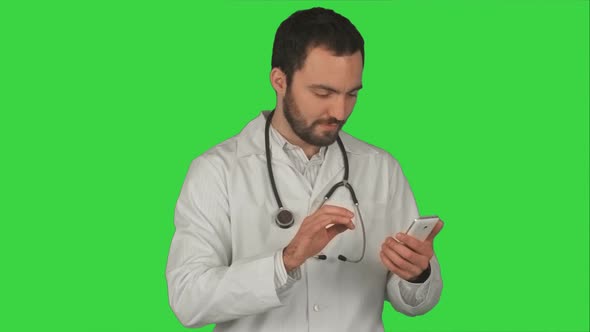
289, 261
422, 277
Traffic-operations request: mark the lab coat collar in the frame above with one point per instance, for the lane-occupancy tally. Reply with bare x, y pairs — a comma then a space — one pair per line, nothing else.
251, 141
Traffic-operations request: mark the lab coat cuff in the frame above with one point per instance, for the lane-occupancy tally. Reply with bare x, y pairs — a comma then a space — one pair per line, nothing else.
414, 292
284, 279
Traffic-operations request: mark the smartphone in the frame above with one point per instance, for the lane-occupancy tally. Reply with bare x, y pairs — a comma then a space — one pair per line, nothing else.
421, 227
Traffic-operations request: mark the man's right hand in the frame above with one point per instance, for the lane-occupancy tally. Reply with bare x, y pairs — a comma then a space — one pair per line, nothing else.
313, 236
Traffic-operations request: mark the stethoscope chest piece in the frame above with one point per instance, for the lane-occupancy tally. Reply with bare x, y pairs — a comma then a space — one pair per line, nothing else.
284, 218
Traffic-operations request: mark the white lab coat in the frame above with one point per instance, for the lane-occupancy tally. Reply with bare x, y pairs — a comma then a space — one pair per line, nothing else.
221, 263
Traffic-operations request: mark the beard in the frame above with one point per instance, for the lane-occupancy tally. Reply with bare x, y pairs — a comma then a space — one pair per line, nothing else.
302, 130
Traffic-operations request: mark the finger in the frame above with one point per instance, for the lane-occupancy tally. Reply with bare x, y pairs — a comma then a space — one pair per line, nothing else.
337, 210
387, 262
390, 241
335, 230
315, 222
408, 240
394, 268
399, 261
332, 219
421, 247
412, 257
439, 225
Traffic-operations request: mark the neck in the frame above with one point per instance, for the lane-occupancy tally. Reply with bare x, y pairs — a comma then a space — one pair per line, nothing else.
280, 124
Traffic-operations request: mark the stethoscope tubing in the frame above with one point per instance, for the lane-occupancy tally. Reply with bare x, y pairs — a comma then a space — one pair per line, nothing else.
284, 217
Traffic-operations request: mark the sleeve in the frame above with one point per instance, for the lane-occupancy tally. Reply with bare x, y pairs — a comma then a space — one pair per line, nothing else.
409, 298
204, 285
284, 280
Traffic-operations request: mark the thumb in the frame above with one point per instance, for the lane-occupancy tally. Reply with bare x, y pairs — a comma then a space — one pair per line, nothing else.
439, 225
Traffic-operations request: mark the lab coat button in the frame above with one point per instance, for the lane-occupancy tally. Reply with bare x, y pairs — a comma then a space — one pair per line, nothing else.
316, 308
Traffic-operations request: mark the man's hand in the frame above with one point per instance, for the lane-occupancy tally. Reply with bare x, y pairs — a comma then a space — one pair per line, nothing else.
313, 236
409, 257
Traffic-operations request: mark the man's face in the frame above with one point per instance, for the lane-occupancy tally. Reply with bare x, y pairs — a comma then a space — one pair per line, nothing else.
322, 94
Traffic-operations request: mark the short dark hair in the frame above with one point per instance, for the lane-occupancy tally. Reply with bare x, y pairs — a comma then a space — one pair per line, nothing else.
310, 28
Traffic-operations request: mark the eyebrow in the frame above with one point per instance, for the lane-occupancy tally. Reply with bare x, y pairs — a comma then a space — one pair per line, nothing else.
331, 89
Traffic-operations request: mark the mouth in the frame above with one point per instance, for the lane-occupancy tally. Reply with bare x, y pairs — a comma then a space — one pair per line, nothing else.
330, 124
329, 128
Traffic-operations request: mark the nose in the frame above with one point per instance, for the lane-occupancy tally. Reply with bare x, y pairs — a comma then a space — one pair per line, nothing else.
342, 107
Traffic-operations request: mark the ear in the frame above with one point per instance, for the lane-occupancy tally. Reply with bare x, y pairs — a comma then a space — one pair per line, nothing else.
278, 80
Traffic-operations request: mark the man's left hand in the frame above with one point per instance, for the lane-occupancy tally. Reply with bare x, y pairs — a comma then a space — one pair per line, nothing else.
409, 257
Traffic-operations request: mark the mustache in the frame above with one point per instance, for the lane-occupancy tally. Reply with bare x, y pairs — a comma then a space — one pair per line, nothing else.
330, 121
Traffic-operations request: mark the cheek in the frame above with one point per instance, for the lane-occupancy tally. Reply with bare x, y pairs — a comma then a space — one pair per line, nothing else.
312, 106
350, 104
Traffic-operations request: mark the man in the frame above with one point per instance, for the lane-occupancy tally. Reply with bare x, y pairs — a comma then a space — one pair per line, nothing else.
240, 260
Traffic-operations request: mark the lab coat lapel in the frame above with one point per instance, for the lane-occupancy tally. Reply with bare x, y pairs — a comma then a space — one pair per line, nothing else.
252, 141
330, 173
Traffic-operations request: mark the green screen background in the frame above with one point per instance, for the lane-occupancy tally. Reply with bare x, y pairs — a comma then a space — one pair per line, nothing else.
104, 105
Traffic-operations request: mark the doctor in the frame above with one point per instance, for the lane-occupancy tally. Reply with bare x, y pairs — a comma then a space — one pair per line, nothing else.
257, 246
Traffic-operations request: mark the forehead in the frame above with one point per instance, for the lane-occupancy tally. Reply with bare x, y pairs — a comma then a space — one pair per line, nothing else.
323, 67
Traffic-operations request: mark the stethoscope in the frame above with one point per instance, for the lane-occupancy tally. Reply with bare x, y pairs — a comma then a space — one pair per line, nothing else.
284, 217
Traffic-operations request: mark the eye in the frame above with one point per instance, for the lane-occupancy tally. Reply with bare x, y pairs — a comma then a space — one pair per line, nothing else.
322, 94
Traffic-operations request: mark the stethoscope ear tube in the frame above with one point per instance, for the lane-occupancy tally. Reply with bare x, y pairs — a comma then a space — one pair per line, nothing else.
283, 217
269, 162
